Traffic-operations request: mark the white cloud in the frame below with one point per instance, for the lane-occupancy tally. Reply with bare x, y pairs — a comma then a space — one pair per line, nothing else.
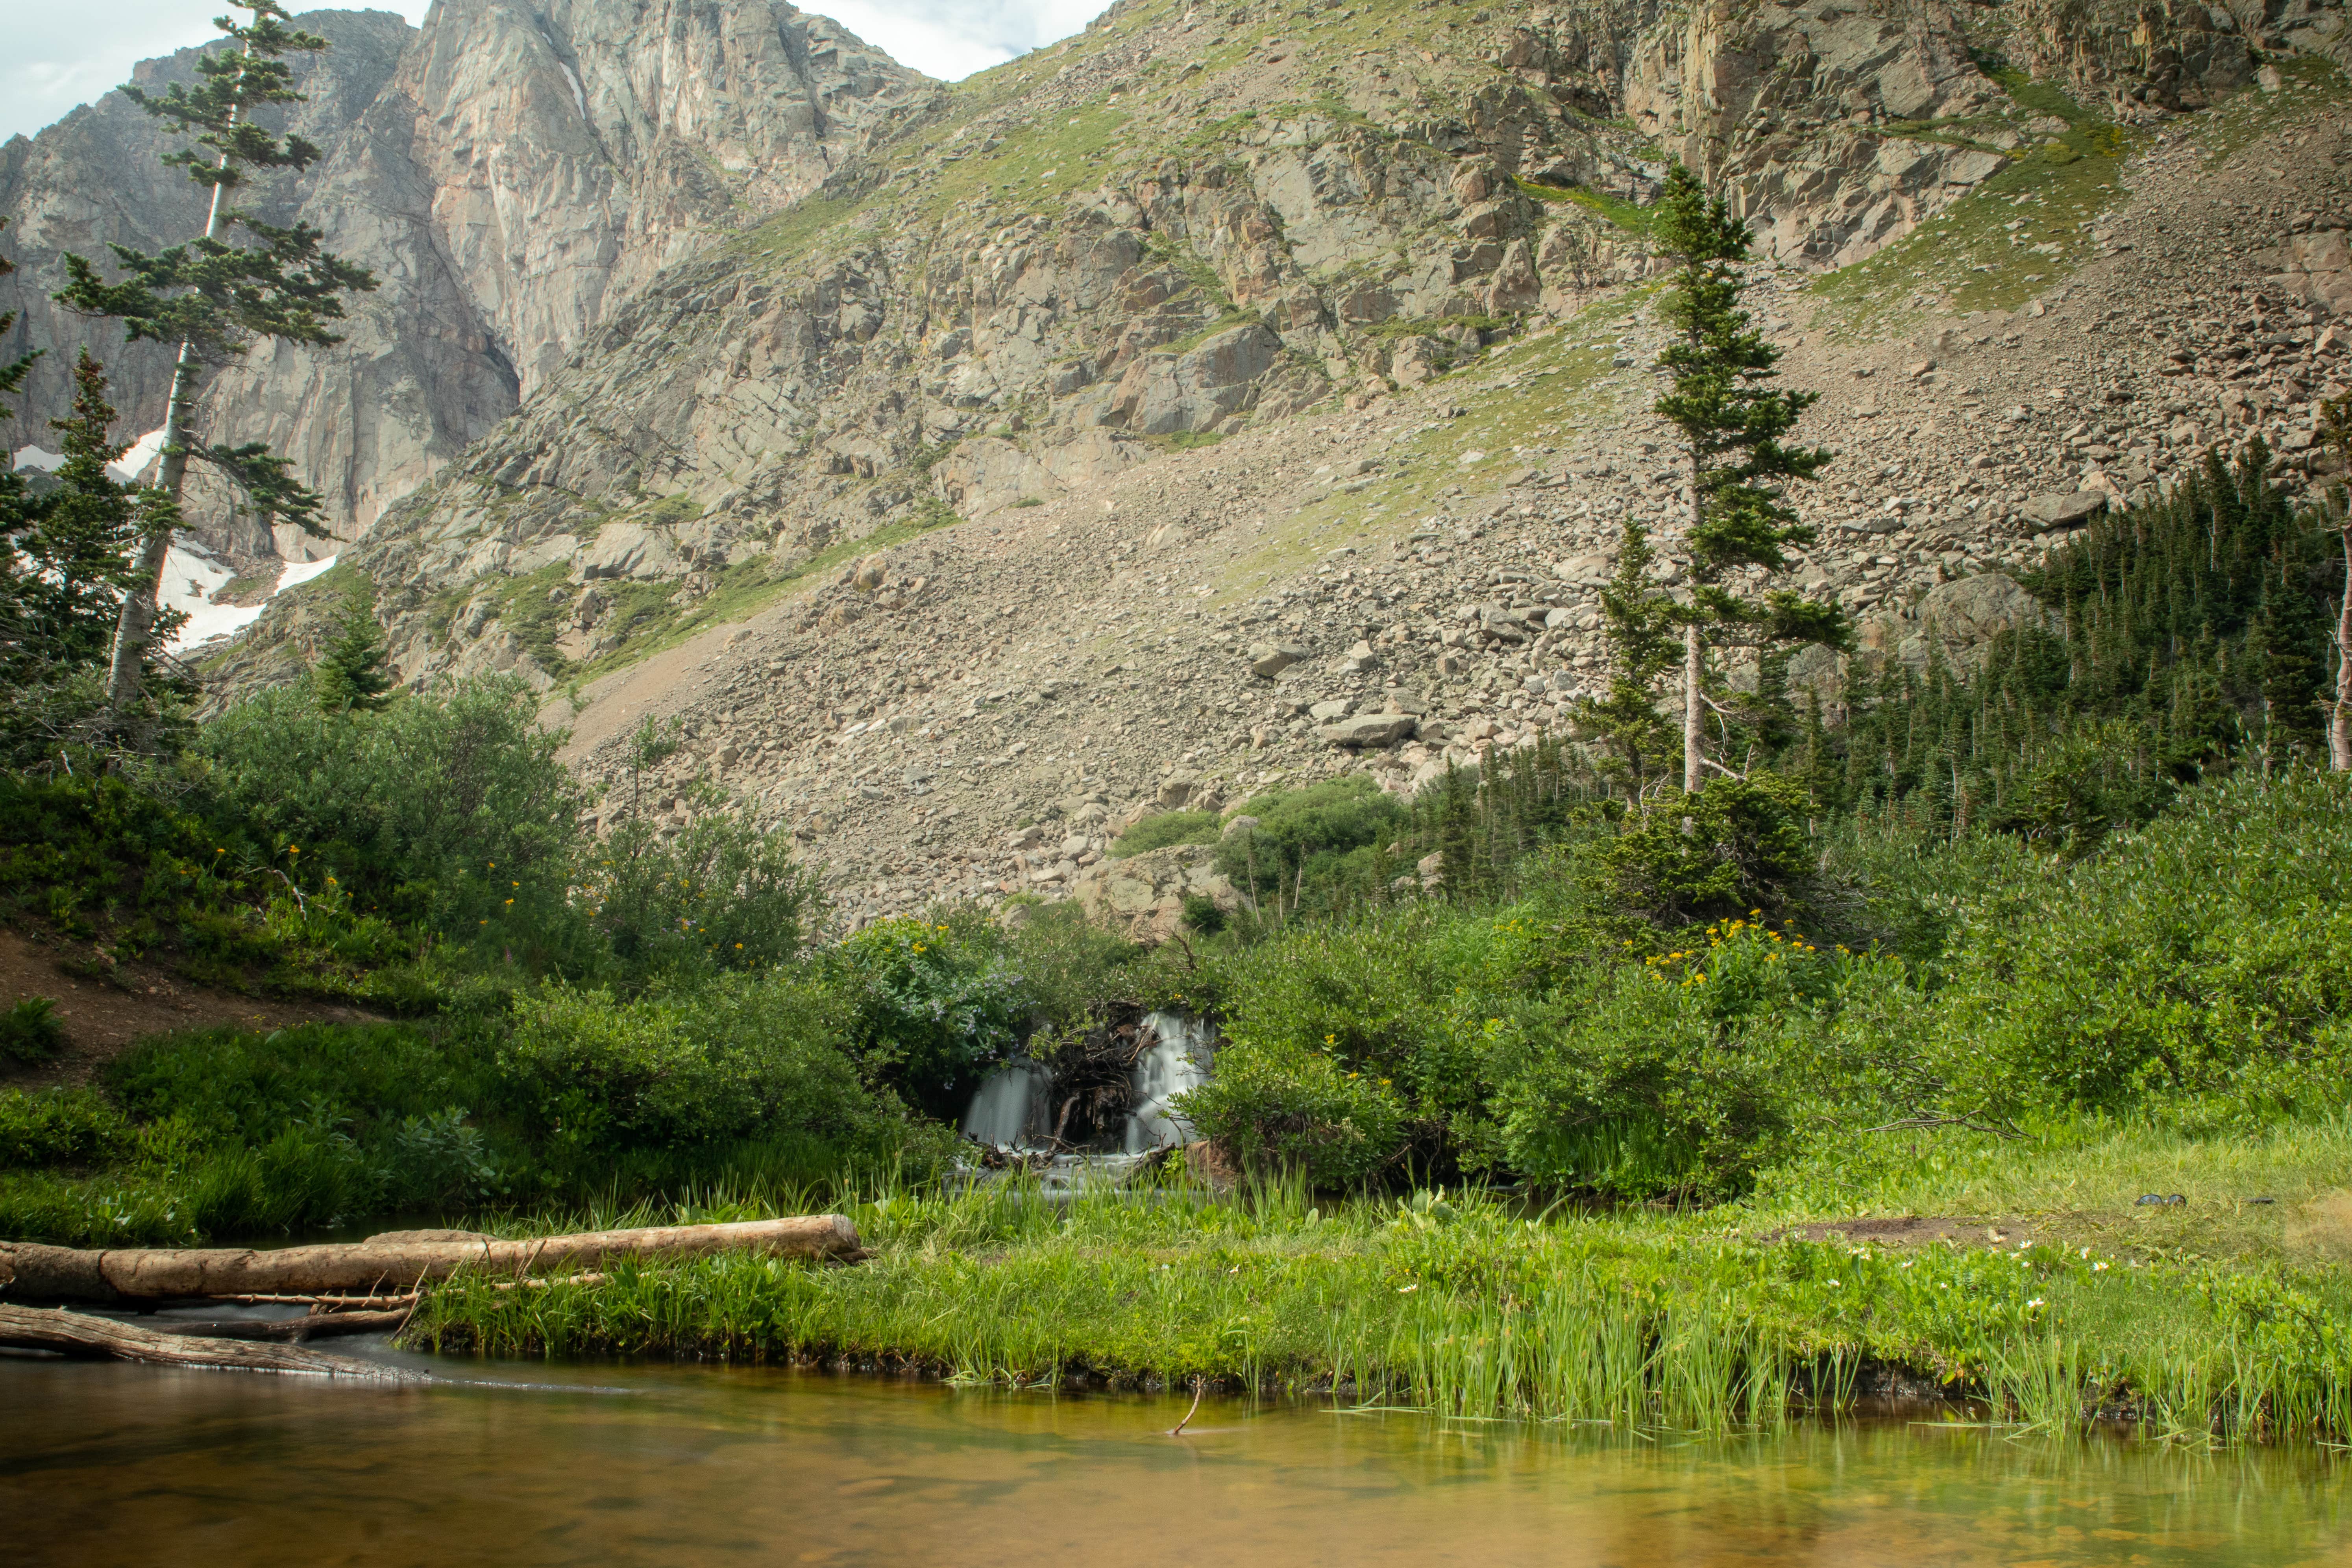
952, 38
56, 60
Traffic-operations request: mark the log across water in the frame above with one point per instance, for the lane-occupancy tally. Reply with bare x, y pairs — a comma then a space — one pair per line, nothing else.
81, 1334
30, 1271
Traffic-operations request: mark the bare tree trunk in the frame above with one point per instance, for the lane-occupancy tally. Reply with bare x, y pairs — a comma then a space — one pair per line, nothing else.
1693, 717
81, 1334
28, 1270
2340, 722
135, 626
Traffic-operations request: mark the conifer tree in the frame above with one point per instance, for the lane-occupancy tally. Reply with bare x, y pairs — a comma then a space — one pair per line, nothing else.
15, 514
214, 299
1732, 425
1638, 623
2338, 424
13, 374
79, 539
351, 674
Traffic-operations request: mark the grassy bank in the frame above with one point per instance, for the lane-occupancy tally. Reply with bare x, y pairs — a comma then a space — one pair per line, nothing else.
1470, 1307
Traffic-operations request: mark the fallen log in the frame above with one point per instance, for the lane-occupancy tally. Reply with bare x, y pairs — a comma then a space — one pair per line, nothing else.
81, 1335
284, 1330
325, 1303
32, 1271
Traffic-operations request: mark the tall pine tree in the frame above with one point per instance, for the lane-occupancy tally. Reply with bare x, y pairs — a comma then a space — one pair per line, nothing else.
350, 675
16, 512
78, 545
1732, 423
214, 299
2338, 424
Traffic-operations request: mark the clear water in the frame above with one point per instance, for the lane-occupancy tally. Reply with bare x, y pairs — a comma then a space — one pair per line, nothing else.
529, 1464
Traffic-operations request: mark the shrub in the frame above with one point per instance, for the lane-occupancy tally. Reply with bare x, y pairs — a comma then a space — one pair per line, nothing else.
451, 811
58, 1126
2204, 954
1326, 835
1276, 1106
931, 1005
1166, 828
736, 1057
1665, 1076
724, 894
31, 1031
1203, 915
1380, 995
1744, 846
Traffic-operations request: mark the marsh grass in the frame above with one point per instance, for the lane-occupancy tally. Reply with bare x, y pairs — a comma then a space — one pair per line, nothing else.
1633, 1324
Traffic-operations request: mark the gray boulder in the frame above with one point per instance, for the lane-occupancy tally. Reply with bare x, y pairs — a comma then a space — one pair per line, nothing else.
1370, 730
1270, 660
2046, 513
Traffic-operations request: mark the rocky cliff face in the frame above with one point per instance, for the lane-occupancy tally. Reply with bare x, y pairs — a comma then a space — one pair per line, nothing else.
1234, 396
1187, 224
97, 178
1192, 218
509, 172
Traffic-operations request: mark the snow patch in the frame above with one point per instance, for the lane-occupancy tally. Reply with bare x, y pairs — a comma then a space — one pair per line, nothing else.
127, 468
192, 574
578, 97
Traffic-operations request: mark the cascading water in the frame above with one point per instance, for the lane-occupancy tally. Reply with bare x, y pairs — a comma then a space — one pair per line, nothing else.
1008, 1110
1176, 1059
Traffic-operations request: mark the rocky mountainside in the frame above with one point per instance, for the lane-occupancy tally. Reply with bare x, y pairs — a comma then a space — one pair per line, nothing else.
509, 172
1234, 396
97, 178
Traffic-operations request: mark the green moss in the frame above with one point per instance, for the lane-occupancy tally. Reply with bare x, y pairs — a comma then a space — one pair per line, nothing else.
1169, 827
1969, 258
1631, 216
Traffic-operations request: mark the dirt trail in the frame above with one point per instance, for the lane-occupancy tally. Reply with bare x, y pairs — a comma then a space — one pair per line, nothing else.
102, 1018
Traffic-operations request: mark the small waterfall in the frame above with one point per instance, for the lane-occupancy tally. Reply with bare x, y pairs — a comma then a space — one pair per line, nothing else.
1008, 1110
1177, 1060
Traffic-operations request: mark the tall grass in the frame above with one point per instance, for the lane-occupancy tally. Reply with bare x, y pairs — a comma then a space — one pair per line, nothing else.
1465, 1310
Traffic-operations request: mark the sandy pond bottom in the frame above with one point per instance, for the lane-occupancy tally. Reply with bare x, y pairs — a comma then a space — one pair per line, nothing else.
523, 1464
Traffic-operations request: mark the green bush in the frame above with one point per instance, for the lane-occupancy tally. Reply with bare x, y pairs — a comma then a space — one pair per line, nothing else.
724, 894
31, 1032
1277, 1108
1665, 1076
58, 1126
452, 811
1737, 844
931, 1005
735, 1056
1166, 828
2203, 955
1322, 840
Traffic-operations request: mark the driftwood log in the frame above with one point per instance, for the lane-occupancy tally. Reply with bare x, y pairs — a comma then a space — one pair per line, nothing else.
285, 1331
30, 1271
83, 1335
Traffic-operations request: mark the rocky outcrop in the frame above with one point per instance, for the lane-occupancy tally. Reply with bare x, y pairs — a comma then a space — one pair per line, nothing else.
1828, 120
1142, 896
97, 178
510, 173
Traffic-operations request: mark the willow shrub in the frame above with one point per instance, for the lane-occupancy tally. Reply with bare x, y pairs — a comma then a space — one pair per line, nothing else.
449, 811
2208, 955
732, 1057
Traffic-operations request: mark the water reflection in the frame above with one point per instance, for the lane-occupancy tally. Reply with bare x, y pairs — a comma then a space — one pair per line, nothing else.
110, 1463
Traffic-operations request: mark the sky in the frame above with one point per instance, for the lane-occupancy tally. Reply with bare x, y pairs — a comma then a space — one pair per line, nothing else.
58, 59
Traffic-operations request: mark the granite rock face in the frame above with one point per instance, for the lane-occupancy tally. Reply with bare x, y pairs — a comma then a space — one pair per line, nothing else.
509, 172
97, 178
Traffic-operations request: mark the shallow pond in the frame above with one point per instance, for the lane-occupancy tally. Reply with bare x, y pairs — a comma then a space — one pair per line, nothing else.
529, 1464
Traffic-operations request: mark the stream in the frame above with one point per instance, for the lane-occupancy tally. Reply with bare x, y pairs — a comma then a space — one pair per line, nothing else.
529, 1463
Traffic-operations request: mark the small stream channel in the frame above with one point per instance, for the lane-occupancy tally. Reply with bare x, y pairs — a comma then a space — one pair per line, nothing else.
525, 1464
